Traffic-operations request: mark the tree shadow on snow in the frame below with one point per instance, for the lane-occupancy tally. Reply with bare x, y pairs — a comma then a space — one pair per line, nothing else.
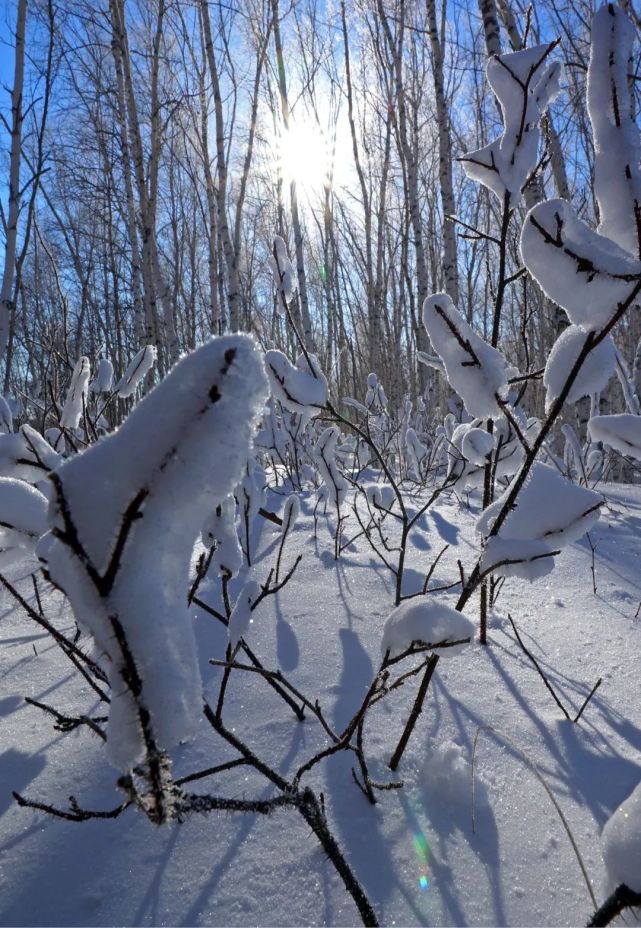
356, 823
17, 770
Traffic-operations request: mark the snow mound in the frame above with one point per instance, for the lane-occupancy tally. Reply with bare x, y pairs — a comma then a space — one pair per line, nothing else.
447, 776
428, 621
621, 843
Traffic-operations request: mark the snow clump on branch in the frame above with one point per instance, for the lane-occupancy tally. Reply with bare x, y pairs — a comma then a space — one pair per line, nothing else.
137, 371
427, 621
524, 86
301, 388
123, 522
478, 372
550, 512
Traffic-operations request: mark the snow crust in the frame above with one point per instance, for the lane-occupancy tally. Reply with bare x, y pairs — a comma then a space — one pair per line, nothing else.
426, 620
595, 371
474, 369
149, 485
448, 776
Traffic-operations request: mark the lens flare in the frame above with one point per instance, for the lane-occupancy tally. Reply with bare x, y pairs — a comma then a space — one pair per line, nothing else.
422, 850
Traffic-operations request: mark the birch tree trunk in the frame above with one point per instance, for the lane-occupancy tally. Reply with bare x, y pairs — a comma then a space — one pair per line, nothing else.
13, 214
129, 106
450, 268
221, 171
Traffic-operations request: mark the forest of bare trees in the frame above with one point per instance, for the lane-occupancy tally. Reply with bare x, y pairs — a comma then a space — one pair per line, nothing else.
152, 150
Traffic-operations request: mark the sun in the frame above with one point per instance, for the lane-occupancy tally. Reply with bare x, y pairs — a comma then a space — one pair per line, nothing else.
305, 156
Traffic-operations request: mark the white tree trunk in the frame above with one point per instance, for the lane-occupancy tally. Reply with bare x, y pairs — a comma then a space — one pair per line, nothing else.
17, 116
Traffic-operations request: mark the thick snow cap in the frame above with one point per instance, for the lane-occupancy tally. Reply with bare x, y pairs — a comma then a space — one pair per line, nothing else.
125, 515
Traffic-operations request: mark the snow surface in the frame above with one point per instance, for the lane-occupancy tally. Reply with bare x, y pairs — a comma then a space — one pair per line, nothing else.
415, 853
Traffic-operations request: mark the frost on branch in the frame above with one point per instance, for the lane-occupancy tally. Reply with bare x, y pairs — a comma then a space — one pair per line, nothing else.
291, 512
524, 86
23, 519
595, 371
104, 377
301, 388
284, 275
584, 272
425, 621
123, 521
621, 843
241, 616
219, 531
550, 512
27, 455
475, 370
76, 396
137, 371
617, 174
335, 484
622, 432
6, 417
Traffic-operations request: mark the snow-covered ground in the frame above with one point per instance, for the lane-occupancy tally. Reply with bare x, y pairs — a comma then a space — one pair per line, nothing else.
415, 852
